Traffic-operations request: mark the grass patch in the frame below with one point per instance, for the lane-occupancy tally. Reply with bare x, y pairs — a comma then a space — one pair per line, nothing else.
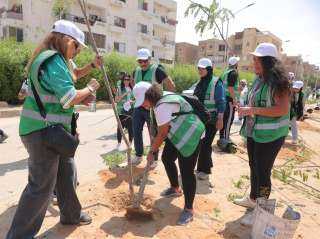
232, 196
114, 158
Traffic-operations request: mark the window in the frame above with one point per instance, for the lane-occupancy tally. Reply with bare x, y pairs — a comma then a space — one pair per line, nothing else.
16, 33
100, 39
120, 22
222, 47
142, 28
238, 47
152, 53
210, 46
120, 47
142, 5
239, 35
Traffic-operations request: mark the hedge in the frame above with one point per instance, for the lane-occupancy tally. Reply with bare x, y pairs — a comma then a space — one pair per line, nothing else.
14, 57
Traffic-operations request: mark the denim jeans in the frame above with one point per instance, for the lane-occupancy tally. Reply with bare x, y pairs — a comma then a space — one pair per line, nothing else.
140, 117
47, 169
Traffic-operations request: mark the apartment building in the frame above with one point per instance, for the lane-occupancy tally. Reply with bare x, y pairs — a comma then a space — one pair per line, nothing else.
293, 64
186, 53
120, 25
213, 49
242, 43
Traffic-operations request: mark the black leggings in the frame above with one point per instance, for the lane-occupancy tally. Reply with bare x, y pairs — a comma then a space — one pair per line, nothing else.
228, 118
205, 157
126, 121
261, 160
186, 166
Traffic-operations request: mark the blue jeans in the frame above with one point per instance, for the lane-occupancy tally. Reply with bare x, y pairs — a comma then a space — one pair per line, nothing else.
140, 117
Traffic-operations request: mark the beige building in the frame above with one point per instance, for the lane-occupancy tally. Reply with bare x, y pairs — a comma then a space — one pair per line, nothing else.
294, 64
121, 25
186, 53
242, 43
213, 49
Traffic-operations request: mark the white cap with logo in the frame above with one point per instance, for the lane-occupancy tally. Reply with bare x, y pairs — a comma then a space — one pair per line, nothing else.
297, 84
233, 60
70, 29
266, 49
139, 91
143, 54
204, 63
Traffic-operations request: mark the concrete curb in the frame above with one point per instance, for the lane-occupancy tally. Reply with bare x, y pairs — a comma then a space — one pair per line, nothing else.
16, 111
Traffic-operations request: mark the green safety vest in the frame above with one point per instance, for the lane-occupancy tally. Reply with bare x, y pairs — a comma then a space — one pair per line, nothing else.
209, 101
149, 76
185, 130
124, 100
30, 119
267, 129
224, 78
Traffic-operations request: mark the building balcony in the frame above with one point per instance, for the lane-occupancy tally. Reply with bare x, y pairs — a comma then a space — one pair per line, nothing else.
156, 41
118, 3
12, 15
117, 29
146, 36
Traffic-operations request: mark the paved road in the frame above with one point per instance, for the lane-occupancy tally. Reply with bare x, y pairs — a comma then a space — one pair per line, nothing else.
97, 134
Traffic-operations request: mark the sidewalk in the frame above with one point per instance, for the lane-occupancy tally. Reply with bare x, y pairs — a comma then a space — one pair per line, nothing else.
14, 111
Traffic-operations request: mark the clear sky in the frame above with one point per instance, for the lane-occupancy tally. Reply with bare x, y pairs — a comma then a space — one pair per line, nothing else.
294, 20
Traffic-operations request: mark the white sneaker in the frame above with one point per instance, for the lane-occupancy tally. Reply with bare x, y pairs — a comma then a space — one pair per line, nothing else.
248, 219
118, 146
202, 176
245, 202
153, 165
136, 160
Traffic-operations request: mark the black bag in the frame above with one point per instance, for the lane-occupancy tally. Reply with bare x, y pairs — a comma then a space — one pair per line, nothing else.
56, 137
198, 108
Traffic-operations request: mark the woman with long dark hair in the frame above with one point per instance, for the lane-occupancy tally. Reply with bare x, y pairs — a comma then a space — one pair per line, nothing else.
124, 106
266, 123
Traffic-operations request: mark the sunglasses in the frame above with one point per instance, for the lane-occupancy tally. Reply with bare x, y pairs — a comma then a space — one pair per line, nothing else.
142, 61
127, 79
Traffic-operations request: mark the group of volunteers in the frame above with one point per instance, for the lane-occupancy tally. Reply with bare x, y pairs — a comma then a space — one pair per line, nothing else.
147, 96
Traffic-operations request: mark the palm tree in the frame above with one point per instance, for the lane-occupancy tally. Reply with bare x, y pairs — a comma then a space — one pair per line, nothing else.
212, 17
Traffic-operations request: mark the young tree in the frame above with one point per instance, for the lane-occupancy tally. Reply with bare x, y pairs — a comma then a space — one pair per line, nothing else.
212, 17
61, 7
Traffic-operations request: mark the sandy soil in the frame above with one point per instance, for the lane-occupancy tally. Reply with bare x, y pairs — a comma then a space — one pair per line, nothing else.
216, 216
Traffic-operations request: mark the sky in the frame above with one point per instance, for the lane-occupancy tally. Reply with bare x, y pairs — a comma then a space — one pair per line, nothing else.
295, 21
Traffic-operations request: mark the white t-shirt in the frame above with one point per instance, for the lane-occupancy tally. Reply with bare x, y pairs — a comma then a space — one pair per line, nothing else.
164, 111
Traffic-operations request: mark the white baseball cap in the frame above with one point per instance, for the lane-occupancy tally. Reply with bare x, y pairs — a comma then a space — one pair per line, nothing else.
139, 91
70, 29
265, 49
297, 84
143, 54
204, 63
291, 74
233, 60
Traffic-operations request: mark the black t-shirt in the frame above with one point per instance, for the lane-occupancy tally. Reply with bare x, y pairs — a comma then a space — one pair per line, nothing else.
160, 74
232, 78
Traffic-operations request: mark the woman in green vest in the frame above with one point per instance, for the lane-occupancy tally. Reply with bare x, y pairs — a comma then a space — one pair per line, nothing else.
181, 134
211, 93
124, 106
266, 123
51, 81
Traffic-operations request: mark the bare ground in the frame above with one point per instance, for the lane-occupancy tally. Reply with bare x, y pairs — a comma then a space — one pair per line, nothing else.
216, 216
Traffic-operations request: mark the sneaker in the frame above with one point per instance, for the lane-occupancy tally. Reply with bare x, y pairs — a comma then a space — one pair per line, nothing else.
3, 137
245, 202
136, 161
171, 192
248, 219
185, 217
202, 176
153, 165
294, 142
84, 219
118, 146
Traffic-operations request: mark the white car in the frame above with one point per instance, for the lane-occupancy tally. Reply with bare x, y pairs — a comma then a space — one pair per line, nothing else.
190, 91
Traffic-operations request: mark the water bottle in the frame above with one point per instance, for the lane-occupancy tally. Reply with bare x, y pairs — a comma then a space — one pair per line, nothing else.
92, 104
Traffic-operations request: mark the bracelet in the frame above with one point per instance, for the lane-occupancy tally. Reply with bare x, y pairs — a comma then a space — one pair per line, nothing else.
93, 65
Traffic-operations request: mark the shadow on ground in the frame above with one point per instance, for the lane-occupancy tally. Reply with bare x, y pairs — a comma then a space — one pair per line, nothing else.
17, 165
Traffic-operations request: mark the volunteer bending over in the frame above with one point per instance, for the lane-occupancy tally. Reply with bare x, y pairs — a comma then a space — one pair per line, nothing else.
181, 134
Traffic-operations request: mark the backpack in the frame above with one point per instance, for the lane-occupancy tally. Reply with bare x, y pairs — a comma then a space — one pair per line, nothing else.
198, 108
